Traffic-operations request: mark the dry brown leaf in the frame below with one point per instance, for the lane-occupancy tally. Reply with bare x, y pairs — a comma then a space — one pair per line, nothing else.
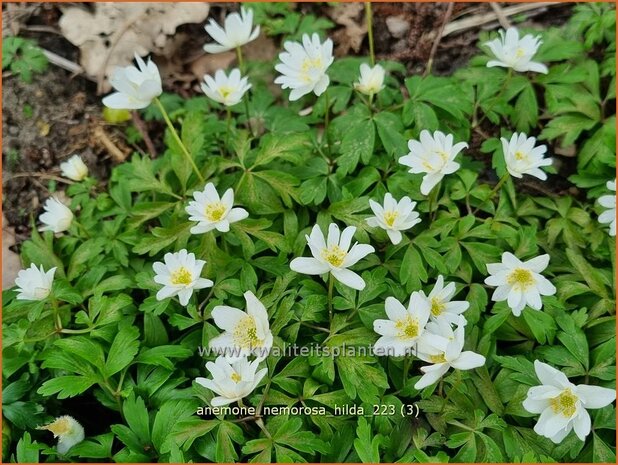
354, 31
110, 34
11, 264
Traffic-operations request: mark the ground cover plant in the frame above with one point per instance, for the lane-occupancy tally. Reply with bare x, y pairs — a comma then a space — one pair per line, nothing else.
453, 290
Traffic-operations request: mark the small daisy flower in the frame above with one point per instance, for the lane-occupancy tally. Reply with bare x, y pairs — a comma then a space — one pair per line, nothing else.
57, 216
371, 80
180, 275
235, 33
232, 381
393, 216
74, 168
228, 90
214, 212
246, 333
441, 305
609, 202
68, 431
136, 88
34, 283
404, 331
333, 255
452, 357
303, 66
522, 157
520, 283
512, 52
434, 156
563, 406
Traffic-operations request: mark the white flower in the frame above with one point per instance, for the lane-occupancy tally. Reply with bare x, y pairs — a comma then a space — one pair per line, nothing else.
74, 168
303, 66
333, 255
609, 202
516, 53
136, 88
245, 333
394, 216
434, 156
522, 157
212, 212
34, 283
451, 357
441, 305
404, 331
519, 283
227, 90
180, 275
57, 216
371, 80
232, 381
236, 33
563, 405
68, 431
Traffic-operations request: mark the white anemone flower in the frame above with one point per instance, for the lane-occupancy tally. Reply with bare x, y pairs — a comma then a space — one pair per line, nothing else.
136, 88
393, 216
452, 357
522, 157
68, 431
235, 33
441, 305
232, 381
404, 331
303, 66
228, 90
333, 255
74, 168
34, 283
246, 333
180, 275
609, 202
214, 212
57, 217
371, 80
434, 156
563, 406
516, 53
520, 283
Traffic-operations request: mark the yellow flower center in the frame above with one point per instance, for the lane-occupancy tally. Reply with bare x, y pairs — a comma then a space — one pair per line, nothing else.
309, 65
225, 91
520, 279
407, 328
519, 155
437, 358
564, 403
334, 255
60, 427
182, 276
520, 52
214, 211
437, 306
390, 217
236, 377
245, 334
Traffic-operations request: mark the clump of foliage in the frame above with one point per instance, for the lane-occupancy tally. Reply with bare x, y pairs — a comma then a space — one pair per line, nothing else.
22, 57
103, 349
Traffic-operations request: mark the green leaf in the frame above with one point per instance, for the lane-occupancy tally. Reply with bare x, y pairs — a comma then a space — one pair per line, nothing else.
367, 445
123, 350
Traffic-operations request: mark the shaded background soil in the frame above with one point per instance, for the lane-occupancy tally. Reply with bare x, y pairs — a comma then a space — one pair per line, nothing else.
59, 114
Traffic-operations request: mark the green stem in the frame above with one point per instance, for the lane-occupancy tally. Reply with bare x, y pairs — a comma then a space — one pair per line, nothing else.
76, 331
369, 21
327, 119
228, 127
241, 63
81, 228
433, 201
331, 284
495, 189
505, 84
56, 311
178, 140
406, 369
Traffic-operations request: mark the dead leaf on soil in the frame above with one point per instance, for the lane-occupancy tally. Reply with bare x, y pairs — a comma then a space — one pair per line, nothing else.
110, 33
11, 264
354, 30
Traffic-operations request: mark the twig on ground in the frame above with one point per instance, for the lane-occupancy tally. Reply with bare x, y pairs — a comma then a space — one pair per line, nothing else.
436, 42
65, 64
502, 19
141, 128
33, 174
101, 137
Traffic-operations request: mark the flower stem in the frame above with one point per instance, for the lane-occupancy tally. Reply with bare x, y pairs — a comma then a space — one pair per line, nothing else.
331, 284
81, 228
178, 140
433, 201
327, 119
228, 125
56, 311
241, 63
241, 66
495, 189
369, 21
406, 369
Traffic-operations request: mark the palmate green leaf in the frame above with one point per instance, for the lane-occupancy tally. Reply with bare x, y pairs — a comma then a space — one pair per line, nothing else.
361, 377
162, 238
357, 144
390, 130
366, 444
228, 434
66, 386
123, 350
27, 450
136, 416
